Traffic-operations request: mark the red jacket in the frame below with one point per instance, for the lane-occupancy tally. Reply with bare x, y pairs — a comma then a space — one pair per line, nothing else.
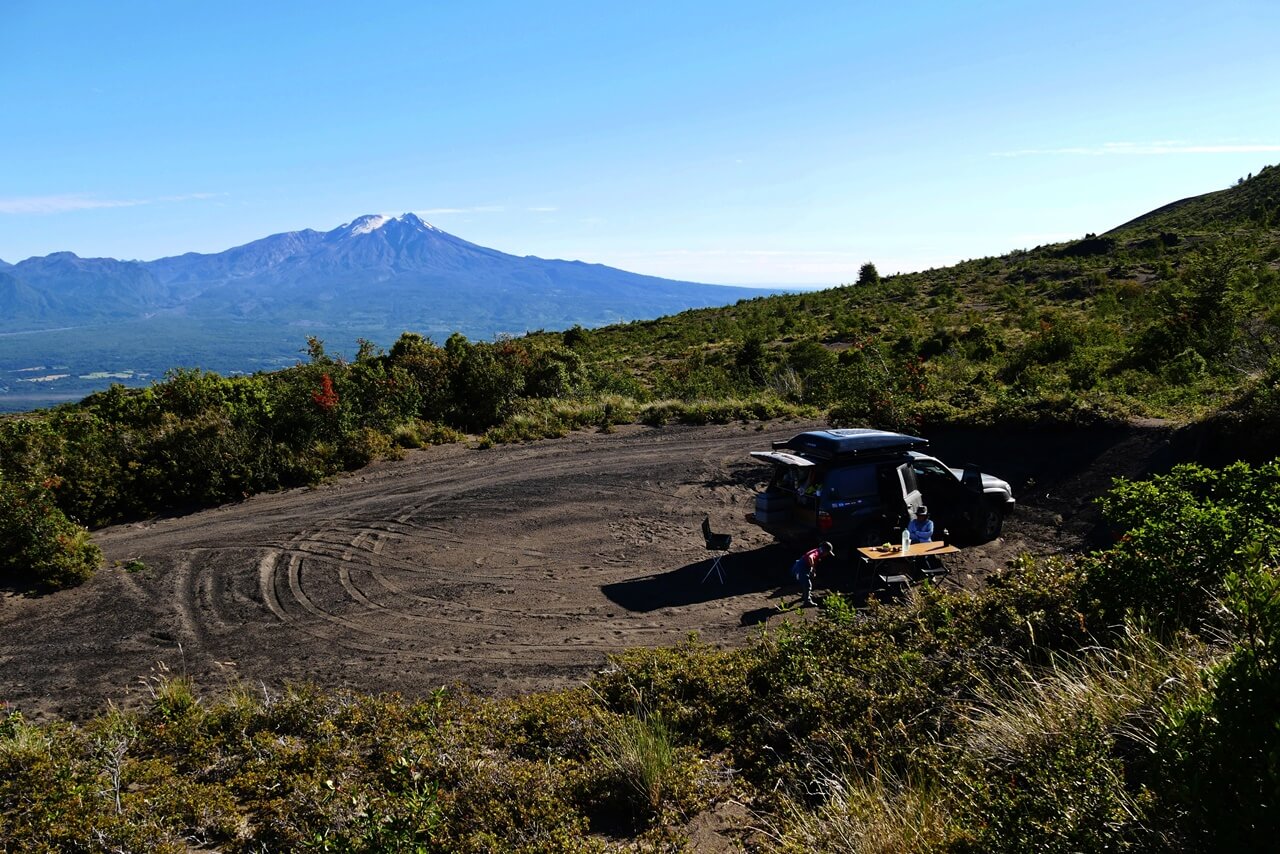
814, 557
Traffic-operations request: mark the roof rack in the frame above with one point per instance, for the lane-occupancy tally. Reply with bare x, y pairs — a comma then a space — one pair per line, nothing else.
849, 443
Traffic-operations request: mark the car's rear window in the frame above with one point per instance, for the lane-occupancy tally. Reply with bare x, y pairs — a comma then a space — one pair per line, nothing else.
851, 482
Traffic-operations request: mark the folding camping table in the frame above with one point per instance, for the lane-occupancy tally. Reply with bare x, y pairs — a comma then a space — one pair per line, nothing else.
914, 551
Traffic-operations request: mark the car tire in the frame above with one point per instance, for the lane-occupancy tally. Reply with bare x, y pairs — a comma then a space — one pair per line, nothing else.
989, 522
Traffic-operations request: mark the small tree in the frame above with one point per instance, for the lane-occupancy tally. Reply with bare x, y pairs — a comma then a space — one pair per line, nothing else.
868, 275
749, 361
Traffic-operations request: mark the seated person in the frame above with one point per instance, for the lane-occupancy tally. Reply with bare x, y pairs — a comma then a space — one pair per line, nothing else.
920, 529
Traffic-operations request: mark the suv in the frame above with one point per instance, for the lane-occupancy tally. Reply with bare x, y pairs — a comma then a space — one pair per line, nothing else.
857, 486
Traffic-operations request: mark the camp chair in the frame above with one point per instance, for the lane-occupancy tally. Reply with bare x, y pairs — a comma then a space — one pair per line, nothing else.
895, 585
715, 543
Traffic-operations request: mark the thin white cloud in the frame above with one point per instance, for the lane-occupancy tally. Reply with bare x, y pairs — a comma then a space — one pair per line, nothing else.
67, 203
1145, 149
470, 210
61, 204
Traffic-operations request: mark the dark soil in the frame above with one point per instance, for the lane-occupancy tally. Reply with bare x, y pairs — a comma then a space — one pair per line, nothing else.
506, 570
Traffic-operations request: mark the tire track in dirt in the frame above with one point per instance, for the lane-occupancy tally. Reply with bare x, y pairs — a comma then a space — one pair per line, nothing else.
342, 541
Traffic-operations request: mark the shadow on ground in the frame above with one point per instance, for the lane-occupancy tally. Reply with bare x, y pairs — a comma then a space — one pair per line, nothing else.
744, 572
763, 570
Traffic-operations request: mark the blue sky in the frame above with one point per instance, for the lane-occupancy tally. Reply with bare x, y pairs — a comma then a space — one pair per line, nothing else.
736, 142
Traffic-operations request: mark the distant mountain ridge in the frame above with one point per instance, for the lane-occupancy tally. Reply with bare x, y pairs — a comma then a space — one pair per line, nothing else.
375, 270
72, 325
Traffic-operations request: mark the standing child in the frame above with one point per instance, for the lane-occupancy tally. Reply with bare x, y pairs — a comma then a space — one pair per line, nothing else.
806, 566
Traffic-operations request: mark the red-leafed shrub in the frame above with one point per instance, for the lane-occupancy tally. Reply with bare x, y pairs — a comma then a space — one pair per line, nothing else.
326, 398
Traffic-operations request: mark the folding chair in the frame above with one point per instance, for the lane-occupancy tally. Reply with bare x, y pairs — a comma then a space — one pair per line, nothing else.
895, 585
715, 543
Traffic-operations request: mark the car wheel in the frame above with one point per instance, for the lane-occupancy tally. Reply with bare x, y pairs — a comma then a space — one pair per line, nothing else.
989, 523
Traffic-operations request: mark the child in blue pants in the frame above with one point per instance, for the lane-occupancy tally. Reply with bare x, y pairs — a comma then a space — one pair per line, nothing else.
806, 566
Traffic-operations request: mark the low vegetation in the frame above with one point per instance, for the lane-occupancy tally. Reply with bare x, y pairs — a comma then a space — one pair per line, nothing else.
1053, 710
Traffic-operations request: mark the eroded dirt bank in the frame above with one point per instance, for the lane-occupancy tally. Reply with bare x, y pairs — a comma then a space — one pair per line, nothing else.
510, 569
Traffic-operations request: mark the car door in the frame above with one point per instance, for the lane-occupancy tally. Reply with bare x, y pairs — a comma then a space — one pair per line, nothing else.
940, 489
910, 491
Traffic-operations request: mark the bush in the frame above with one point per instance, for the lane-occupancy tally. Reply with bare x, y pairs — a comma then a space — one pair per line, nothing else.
1045, 761
39, 546
364, 445
1219, 758
1183, 533
421, 434
1063, 791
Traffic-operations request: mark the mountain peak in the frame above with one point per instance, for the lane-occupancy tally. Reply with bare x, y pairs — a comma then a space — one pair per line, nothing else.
413, 220
369, 223
366, 224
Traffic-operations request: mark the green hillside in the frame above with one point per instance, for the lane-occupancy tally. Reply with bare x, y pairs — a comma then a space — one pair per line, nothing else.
1172, 315
1253, 203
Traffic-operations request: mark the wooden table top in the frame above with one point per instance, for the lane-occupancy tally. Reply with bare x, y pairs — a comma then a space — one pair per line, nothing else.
915, 550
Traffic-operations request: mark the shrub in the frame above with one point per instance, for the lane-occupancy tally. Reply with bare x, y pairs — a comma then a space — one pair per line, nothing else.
867, 389
39, 546
420, 434
1064, 791
1218, 762
364, 445
1183, 533
1041, 765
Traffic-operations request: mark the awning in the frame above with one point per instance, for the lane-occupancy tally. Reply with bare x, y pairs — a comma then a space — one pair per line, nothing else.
781, 458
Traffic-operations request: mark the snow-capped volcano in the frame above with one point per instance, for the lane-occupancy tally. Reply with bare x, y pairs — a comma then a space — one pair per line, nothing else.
381, 271
414, 221
254, 306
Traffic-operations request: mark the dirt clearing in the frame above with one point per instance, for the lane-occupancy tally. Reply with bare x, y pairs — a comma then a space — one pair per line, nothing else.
507, 570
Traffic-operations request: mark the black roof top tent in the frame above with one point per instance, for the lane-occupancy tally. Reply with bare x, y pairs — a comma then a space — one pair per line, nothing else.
850, 443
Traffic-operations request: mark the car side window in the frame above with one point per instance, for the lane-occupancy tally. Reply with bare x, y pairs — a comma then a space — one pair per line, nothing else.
852, 481
931, 468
